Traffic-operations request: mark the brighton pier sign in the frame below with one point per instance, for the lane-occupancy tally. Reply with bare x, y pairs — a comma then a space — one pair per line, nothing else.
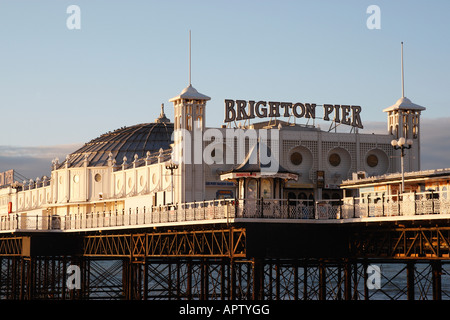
236, 110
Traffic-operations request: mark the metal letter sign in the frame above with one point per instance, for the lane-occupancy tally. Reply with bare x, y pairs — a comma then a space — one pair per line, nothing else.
243, 110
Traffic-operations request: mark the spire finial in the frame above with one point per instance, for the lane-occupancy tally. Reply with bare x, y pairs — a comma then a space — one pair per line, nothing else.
403, 80
162, 116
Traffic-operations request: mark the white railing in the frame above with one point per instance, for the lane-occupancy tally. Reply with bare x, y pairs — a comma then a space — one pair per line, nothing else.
408, 205
13, 222
186, 212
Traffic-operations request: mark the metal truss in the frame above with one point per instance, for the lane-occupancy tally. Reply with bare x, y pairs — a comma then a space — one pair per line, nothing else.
409, 242
197, 243
12, 246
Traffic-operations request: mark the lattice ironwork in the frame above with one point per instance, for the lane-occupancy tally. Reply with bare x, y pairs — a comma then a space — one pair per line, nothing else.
417, 243
117, 245
105, 279
12, 246
200, 243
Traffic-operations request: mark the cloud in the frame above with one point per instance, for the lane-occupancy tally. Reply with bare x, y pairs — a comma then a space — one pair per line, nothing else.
33, 162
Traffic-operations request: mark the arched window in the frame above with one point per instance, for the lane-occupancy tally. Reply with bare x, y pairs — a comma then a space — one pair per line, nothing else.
188, 122
199, 122
252, 189
266, 188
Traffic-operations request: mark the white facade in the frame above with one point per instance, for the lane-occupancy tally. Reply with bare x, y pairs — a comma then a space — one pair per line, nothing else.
144, 183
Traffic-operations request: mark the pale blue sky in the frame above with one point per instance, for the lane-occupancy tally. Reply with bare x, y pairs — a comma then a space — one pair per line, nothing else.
61, 86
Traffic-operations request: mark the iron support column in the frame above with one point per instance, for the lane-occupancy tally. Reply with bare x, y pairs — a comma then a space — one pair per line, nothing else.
322, 281
410, 280
347, 280
258, 279
436, 275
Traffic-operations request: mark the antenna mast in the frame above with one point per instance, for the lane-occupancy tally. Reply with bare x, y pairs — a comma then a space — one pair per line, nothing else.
189, 57
403, 83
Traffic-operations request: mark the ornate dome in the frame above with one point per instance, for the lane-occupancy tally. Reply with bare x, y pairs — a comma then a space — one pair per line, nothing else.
124, 142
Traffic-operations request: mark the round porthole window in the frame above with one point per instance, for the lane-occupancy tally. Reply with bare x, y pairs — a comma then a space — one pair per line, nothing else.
334, 159
296, 158
98, 177
372, 160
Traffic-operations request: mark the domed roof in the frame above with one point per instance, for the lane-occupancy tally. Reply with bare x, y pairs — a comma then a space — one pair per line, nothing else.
404, 104
123, 142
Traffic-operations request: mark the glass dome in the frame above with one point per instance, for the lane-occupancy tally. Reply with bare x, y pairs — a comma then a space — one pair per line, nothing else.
123, 142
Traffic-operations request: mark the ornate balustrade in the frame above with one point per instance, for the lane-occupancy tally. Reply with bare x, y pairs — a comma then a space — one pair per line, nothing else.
404, 205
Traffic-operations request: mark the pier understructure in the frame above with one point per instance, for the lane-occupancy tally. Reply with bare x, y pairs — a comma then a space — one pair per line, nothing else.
233, 250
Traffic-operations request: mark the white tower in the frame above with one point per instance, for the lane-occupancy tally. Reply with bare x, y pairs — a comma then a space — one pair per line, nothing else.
404, 121
189, 112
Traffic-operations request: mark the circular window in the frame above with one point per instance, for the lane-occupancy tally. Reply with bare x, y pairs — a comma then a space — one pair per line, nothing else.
296, 158
76, 178
334, 159
130, 182
98, 177
372, 160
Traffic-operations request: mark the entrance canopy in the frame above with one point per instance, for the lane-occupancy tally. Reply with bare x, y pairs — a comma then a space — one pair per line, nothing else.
253, 168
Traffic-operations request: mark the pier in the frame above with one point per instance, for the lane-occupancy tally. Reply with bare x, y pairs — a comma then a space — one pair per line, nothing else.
234, 249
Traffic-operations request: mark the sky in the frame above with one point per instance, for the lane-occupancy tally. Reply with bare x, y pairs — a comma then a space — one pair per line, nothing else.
62, 87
